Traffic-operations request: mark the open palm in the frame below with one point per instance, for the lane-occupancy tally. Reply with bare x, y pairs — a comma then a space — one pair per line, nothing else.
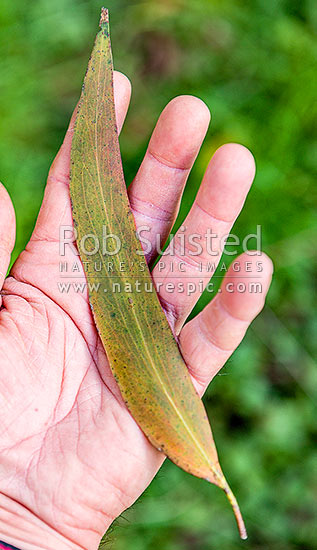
72, 457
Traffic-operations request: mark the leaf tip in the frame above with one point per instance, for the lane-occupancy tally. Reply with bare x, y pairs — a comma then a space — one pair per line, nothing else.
104, 18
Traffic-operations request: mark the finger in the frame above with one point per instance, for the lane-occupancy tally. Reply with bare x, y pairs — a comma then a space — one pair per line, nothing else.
55, 210
7, 232
225, 185
59, 172
157, 188
211, 337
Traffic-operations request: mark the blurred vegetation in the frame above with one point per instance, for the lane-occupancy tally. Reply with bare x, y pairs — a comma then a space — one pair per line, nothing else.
254, 63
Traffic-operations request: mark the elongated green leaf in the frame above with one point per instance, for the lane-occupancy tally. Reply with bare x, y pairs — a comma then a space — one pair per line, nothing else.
143, 355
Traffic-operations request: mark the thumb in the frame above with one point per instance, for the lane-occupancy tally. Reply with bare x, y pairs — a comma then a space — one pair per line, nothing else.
7, 232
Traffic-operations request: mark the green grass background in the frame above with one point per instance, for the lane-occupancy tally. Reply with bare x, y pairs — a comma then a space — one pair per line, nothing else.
254, 63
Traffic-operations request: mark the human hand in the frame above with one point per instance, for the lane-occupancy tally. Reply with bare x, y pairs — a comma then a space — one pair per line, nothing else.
72, 457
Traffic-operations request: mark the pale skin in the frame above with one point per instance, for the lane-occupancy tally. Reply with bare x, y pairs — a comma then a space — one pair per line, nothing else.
72, 457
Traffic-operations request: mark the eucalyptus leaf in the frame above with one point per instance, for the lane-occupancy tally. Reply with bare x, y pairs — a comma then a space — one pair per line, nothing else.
143, 354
